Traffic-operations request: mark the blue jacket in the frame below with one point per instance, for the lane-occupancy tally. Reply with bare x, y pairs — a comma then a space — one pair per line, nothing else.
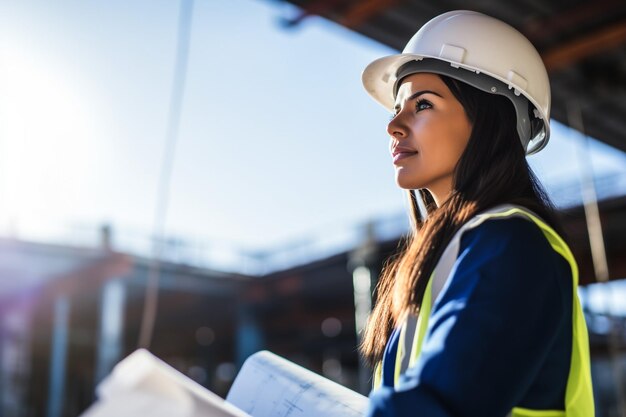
499, 336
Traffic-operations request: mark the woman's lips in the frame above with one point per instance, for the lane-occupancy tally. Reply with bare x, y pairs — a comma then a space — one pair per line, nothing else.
402, 155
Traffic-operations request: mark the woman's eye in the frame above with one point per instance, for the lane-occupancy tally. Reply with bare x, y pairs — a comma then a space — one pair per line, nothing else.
419, 105
422, 105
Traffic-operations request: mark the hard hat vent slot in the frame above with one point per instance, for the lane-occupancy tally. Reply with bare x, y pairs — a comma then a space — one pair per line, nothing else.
452, 53
517, 79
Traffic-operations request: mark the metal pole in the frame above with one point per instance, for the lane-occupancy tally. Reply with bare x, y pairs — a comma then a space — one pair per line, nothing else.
111, 327
363, 281
56, 385
249, 334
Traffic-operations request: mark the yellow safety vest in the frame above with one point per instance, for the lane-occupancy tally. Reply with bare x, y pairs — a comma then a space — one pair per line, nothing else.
579, 392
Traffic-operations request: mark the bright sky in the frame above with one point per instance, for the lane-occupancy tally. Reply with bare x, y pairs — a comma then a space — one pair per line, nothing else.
278, 139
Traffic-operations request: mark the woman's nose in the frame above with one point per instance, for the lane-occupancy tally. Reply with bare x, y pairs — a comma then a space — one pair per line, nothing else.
395, 128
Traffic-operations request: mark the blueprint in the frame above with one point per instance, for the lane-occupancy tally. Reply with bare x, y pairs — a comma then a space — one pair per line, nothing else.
271, 386
266, 386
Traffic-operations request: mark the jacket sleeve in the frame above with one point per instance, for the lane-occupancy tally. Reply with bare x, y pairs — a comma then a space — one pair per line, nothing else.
489, 331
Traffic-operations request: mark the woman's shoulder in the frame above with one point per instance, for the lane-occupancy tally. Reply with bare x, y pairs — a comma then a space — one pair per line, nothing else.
510, 258
515, 243
517, 231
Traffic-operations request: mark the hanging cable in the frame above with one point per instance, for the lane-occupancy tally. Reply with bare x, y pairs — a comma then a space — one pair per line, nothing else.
173, 124
589, 197
596, 241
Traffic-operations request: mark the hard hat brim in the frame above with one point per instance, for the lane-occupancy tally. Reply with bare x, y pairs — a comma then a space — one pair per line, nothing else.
380, 75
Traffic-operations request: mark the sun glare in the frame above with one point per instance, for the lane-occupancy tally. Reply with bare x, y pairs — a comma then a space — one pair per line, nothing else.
45, 129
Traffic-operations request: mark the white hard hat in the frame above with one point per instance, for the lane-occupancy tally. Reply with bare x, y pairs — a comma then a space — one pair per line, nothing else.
481, 51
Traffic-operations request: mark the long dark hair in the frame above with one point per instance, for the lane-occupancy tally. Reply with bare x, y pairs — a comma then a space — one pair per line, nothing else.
492, 170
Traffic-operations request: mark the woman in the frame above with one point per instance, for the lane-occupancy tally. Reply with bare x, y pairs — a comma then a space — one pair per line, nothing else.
479, 314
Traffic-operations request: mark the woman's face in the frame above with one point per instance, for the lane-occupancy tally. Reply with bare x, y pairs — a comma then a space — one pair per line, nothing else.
428, 134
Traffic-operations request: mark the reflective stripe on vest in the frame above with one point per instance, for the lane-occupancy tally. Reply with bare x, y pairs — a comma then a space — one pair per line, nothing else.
579, 393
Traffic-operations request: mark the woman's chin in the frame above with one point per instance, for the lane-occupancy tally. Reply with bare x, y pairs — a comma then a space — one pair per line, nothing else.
408, 183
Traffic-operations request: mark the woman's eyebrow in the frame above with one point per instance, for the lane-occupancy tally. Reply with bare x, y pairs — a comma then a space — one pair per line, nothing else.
419, 93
